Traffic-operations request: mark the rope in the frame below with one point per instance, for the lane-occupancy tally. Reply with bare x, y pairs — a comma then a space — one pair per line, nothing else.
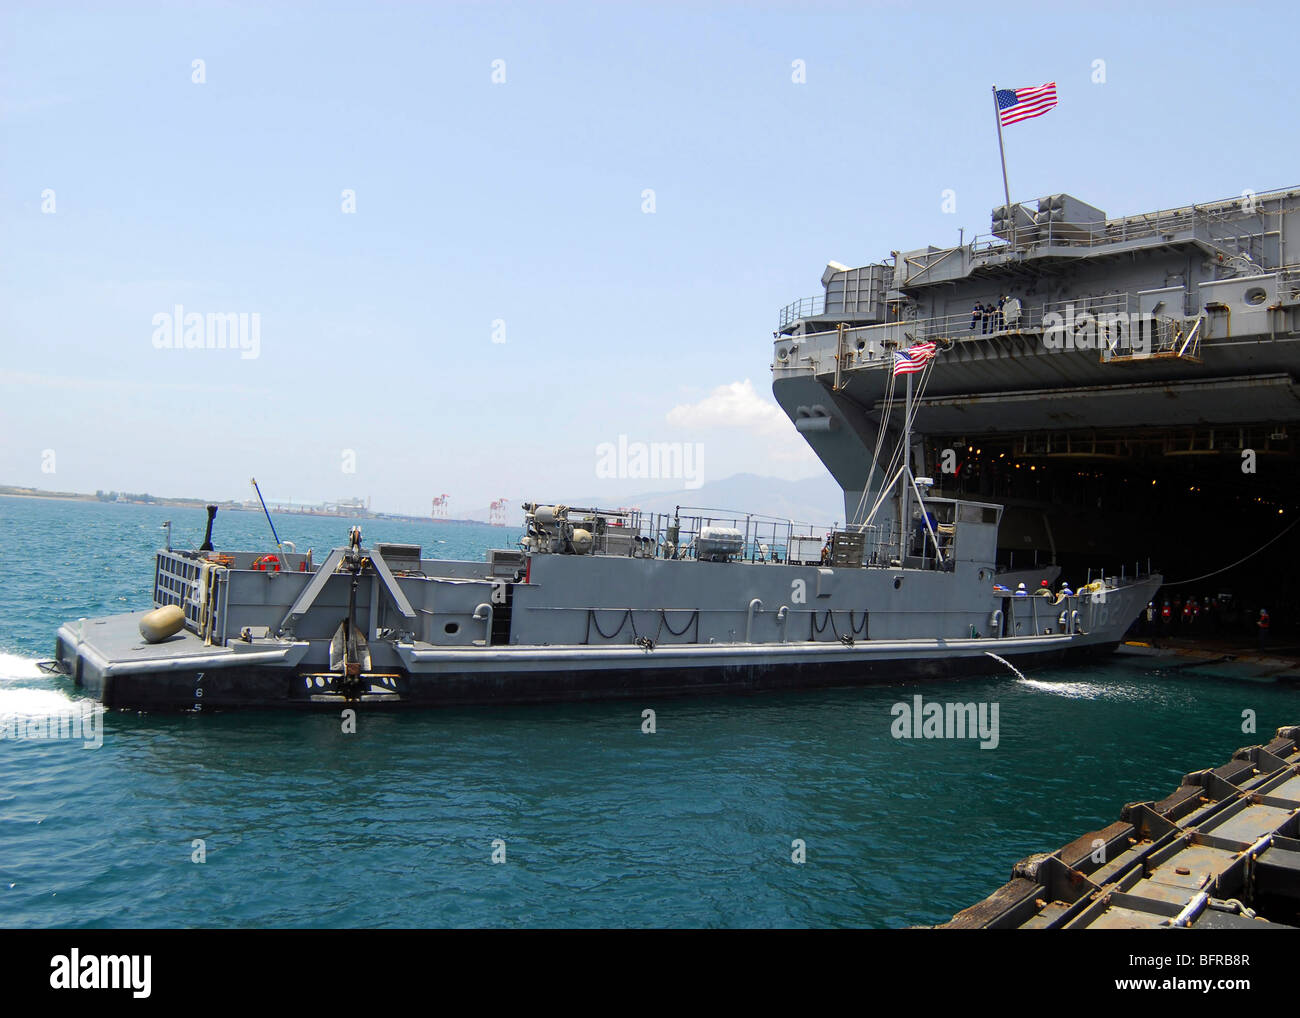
846, 638
875, 452
591, 618
637, 638
899, 455
1197, 579
695, 618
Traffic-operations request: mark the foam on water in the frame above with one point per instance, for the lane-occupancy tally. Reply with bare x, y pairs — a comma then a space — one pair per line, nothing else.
19, 701
16, 668
1072, 690
26, 691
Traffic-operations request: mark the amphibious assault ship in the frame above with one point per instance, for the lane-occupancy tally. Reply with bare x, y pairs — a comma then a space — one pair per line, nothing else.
1079, 393
1124, 387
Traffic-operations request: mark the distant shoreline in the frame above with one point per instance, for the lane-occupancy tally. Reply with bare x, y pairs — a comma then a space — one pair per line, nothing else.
11, 491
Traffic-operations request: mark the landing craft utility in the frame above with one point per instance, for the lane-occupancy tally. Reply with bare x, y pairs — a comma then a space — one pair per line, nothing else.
597, 604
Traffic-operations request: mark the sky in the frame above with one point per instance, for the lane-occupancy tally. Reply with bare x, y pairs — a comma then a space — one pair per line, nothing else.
486, 244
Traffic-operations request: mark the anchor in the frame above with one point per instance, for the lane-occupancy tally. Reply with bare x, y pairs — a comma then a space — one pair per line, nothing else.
349, 651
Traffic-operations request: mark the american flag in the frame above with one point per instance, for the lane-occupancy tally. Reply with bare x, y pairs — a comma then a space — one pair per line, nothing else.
1015, 104
913, 359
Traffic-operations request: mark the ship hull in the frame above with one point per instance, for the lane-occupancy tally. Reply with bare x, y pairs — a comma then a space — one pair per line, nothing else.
504, 676
577, 628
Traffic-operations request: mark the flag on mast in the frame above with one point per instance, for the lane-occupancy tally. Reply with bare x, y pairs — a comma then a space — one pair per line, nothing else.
1017, 104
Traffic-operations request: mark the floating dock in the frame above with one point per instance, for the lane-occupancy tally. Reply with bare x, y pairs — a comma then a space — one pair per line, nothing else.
1221, 852
1214, 660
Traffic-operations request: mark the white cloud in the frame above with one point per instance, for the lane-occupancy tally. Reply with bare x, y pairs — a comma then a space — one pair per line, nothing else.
734, 405
763, 441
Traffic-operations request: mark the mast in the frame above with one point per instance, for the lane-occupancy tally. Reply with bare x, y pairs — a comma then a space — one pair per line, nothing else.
905, 481
1006, 188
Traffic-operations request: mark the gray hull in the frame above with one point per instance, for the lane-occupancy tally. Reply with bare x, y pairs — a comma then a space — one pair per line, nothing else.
662, 628
562, 674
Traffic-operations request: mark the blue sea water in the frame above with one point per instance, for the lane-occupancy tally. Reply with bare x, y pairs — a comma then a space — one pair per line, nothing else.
602, 825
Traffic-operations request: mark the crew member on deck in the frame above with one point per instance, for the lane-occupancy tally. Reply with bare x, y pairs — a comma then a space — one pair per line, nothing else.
976, 314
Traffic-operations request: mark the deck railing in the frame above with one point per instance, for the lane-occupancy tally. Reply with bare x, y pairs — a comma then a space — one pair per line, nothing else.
804, 307
1166, 223
764, 539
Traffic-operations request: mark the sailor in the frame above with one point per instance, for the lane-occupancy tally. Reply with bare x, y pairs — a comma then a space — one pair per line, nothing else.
1021, 591
1262, 627
826, 550
999, 318
1012, 319
976, 313
1065, 590
1044, 589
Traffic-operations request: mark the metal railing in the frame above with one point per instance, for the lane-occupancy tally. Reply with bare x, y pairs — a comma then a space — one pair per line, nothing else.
1157, 336
1288, 284
759, 539
1166, 222
966, 325
1098, 234
637, 534
804, 307
865, 345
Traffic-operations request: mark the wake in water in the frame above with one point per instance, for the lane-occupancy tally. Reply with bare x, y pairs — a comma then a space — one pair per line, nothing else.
27, 691
1072, 690
15, 668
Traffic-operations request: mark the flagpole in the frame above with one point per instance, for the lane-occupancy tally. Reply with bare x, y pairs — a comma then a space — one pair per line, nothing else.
1006, 188
904, 484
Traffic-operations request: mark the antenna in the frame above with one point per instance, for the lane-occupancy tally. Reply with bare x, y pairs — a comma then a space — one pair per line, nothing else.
253, 481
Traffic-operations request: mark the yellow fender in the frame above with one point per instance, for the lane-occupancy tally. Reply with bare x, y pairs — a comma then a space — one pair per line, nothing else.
162, 622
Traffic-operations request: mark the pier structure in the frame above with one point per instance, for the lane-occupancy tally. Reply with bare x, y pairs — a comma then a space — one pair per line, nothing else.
1222, 851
